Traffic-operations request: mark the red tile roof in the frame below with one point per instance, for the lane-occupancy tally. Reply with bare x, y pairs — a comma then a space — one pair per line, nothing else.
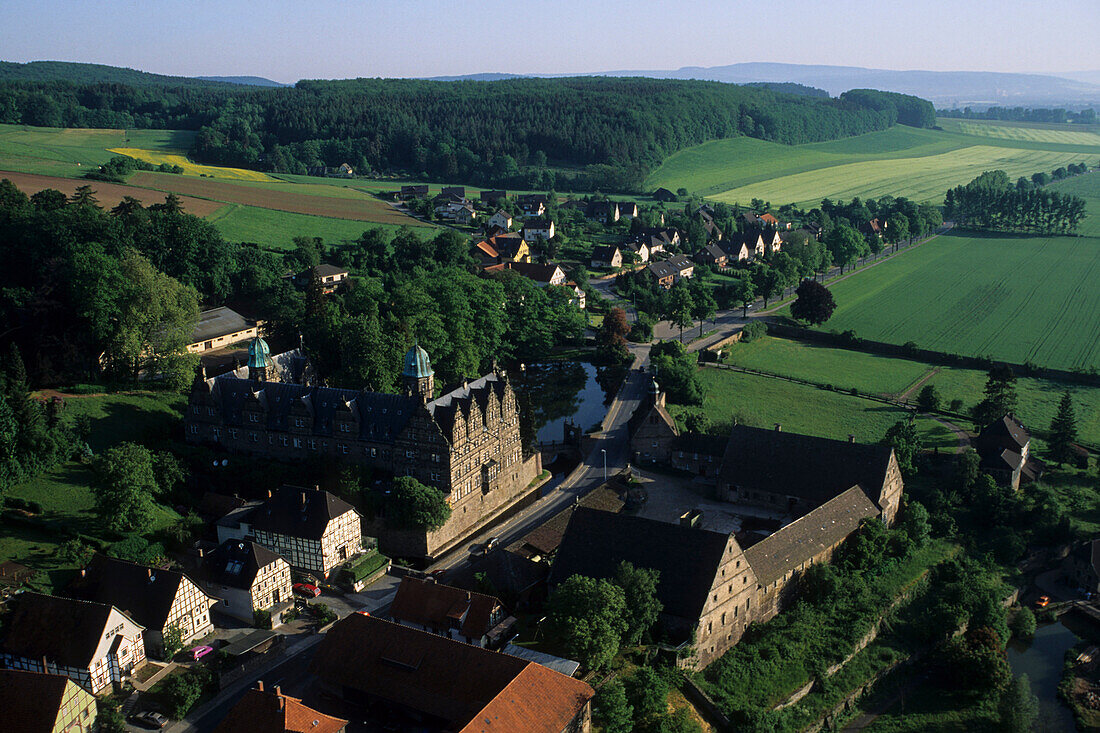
446, 680
274, 712
437, 606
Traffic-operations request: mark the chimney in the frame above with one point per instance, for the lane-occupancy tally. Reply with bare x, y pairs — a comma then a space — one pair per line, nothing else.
83, 572
316, 487
304, 500
149, 573
778, 428
202, 553
851, 438
260, 685
269, 493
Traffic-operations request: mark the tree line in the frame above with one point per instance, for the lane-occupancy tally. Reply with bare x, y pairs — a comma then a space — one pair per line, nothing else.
991, 202
1022, 114
514, 133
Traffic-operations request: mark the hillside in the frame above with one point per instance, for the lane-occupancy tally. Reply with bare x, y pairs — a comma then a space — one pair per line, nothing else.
565, 134
47, 71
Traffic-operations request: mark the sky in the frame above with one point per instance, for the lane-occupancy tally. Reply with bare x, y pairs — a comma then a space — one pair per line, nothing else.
315, 39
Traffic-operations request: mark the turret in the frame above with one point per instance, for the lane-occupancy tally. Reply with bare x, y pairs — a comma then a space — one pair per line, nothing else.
261, 367
417, 376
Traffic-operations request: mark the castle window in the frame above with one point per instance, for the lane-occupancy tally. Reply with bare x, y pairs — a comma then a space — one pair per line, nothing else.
234, 433
210, 411
312, 444
373, 452
195, 410
194, 429
253, 417
299, 422
297, 443
254, 438
410, 454
344, 449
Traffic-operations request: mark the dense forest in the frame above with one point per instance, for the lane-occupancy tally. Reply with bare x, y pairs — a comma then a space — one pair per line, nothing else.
1022, 114
992, 202
564, 134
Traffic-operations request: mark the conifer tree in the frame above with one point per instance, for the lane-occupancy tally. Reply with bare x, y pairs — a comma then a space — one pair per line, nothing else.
1063, 430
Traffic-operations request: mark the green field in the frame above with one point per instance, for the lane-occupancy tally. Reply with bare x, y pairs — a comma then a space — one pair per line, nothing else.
887, 376
70, 152
764, 401
277, 229
1015, 298
901, 161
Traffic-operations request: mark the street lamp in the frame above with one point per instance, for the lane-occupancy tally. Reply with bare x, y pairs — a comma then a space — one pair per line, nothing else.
604, 451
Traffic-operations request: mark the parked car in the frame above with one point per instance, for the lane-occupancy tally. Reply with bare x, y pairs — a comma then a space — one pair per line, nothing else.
200, 651
150, 719
491, 543
306, 589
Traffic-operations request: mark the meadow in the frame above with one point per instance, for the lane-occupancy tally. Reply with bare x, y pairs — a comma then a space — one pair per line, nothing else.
892, 377
277, 229
1015, 298
69, 152
763, 401
902, 161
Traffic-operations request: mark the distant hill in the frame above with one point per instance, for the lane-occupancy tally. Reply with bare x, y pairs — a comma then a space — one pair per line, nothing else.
248, 81
945, 89
94, 73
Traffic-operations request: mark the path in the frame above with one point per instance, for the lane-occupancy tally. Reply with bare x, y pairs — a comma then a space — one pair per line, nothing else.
904, 396
961, 435
865, 720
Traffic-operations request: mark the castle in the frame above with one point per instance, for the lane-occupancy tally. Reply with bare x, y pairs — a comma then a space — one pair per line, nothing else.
465, 443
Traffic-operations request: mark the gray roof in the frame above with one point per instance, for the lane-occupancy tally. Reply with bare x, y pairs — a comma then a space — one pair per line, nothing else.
565, 666
809, 535
236, 563
144, 593
687, 558
296, 511
219, 322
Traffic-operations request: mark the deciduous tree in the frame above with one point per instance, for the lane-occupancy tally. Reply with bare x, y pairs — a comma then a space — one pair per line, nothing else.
416, 506
814, 303
591, 617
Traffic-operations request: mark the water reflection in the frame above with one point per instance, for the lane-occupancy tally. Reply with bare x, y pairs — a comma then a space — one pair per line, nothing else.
1041, 660
550, 393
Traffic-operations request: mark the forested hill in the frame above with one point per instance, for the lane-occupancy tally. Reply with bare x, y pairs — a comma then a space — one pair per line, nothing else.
68, 71
568, 133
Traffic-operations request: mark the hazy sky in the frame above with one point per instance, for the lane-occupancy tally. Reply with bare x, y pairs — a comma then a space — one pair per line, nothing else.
287, 41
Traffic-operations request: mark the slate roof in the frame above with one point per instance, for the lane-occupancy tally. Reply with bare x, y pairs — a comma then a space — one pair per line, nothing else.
712, 253
431, 604
601, 209
444, 408
1008, 432
776, 555
143, 593
814, 469
325, 270
457, 683
534, 271
222, 567
687, 558
274, 712
296, 511
663, 194
662, 269
604, 253
381, 416
538, 223
218, 322
509, 573
494, 195
64, 630
546, 538
30, 701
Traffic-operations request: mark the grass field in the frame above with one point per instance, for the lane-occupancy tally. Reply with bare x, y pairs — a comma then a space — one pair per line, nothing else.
1016, 298
764, 401
869, 373
190, 168
69, 152
277, 229
1046, 133
901, 161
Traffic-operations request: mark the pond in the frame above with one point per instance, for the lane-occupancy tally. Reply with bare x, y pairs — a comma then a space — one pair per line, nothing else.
550, 393
1041, 660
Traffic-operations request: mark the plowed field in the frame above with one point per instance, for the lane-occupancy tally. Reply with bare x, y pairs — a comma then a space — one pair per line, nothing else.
108, 194
362, 208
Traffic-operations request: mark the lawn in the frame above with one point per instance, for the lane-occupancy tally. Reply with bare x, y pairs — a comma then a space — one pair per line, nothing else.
277, 229
873, 374
763, 401
65, 492
1011, 297
890, 161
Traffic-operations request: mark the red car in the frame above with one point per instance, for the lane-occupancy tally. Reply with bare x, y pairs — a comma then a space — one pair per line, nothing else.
305, 589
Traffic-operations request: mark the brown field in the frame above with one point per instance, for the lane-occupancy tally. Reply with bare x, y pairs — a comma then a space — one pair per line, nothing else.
108, 194
365, 208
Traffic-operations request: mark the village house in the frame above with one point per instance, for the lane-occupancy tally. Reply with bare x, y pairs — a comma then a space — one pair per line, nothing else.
493, 198
651, 429
451, 612
158, 599
713, 255
628, 210
246, 577
605, 212
663, 194
465, 216
662, 273
640, 250
1004, 447
772, 241
769, 221
501, 219
273, 712
683, 266
607, 256
873, 228
714, 232
92, 644
745, 246
544, 276
418, 191
221, 327
312, 529
33, 702
502, 248
423, 680
466, 443
459, 191
331, 277
533, 204
535, 229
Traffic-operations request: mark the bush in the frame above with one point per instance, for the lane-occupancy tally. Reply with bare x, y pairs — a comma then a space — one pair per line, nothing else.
753, 331
261, 619
1023, 623
76, 551
180, 692
323, 613
929, 399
